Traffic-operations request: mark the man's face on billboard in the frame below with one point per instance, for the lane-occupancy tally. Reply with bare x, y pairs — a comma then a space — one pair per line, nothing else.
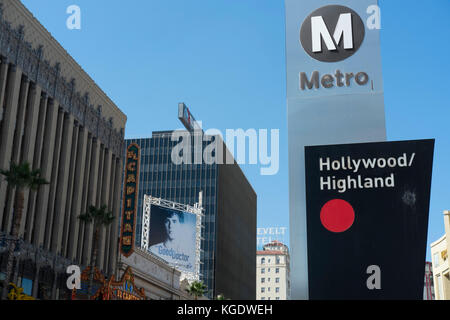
172, 225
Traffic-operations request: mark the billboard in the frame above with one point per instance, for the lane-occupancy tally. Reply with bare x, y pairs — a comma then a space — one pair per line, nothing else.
186, 118
367, 219
172, 236
334, 95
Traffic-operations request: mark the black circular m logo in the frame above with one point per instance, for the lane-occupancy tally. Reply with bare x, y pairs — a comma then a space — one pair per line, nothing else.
332, 33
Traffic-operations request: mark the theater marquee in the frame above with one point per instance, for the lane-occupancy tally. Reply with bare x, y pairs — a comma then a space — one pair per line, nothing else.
130, 193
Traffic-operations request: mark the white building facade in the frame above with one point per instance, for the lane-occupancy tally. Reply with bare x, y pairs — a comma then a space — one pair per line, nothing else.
159, 280
439, 260
273, 272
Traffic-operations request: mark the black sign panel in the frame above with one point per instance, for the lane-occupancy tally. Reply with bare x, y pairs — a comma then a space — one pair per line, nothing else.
367, 218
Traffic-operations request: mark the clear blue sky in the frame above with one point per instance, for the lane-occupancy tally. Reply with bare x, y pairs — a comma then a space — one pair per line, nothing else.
226, 60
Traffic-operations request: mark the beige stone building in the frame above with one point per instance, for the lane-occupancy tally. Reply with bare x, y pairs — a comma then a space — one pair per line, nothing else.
54, 116
439, 260
273, 272
159, 280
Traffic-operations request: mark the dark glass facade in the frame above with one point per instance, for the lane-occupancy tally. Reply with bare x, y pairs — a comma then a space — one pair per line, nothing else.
234, 205
159, 177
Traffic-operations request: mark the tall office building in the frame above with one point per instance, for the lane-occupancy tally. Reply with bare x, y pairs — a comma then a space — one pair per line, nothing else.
54, 116
229, 224
273, 272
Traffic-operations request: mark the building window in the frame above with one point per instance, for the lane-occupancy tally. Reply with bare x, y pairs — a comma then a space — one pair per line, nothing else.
263, 260
268, 289
268, 279
277, 280
262, 280
436, 259
268, 269
263, 270
263, 290
277, 298
277, 270
277, 289
268, 261
440, 289
262, 298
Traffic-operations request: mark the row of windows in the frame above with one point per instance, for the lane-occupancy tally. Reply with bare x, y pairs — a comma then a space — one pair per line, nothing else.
268, 298
179, 152
263, 280
186, 200
167, 147
177, 183
185, 195
263, 270
164, 146
189, 194
277, 260
263, 289
151, 143
154, 146
148, 165
172, 176
164, 143
176, 173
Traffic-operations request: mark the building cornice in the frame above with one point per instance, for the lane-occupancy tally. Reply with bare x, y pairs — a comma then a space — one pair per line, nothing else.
18, 52
438, 241
150, 278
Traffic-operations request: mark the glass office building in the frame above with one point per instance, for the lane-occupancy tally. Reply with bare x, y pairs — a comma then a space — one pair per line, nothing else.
159, 177
224, 225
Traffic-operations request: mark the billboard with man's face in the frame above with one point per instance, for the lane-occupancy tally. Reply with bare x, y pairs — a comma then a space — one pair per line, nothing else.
172, 237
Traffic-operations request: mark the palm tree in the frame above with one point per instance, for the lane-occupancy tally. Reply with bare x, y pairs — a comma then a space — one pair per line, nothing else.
101, 217
197, 289
19, 177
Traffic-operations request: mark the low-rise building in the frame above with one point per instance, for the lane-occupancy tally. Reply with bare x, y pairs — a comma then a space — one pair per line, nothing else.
159, 280
273, 272
439, 260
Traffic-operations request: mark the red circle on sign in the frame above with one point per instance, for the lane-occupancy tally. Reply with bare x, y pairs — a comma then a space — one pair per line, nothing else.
337, 215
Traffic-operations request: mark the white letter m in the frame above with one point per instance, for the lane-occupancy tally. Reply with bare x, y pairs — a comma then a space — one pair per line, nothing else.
343, 30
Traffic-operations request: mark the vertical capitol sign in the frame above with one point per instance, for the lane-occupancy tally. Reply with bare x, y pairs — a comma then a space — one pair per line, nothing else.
130, 193
334, 96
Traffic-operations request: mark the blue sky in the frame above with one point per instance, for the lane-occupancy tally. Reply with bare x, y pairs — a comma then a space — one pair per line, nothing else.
226, 60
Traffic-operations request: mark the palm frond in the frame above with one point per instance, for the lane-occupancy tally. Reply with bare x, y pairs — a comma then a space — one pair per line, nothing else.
21, 176
100, 216
85, 218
